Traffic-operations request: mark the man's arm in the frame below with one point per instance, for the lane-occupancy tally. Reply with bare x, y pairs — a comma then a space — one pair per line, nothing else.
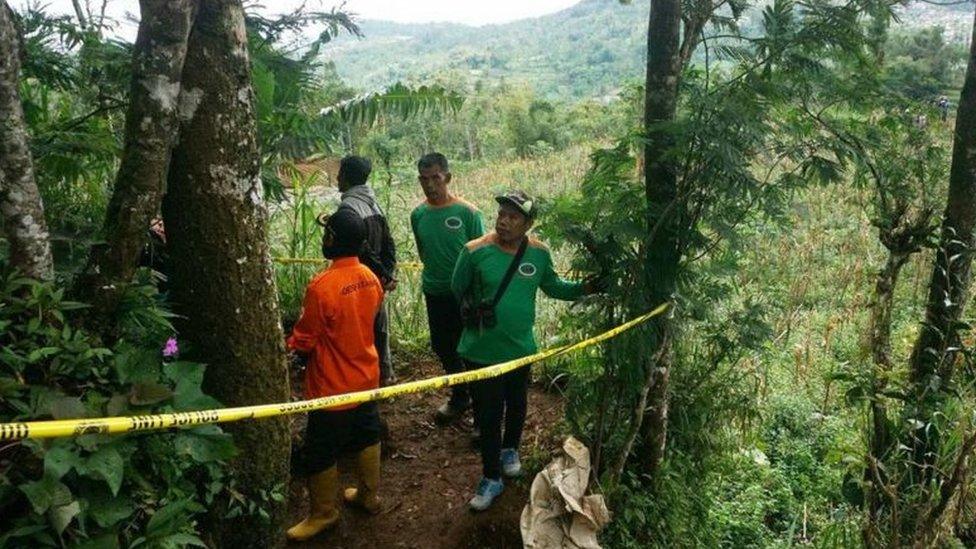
477, 226
387, 251
557, 288
463, 273
414, 219
310, 323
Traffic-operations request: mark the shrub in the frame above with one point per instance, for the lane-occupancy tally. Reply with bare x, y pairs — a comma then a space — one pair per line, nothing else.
98, 490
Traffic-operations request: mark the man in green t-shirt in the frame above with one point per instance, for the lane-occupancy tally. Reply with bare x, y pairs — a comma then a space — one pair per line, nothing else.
506, 334
441, 225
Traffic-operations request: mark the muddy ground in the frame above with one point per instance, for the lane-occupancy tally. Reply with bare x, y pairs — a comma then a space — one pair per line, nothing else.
429, 472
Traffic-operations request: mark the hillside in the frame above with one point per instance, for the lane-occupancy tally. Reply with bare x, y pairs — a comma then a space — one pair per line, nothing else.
586, 50
581, 51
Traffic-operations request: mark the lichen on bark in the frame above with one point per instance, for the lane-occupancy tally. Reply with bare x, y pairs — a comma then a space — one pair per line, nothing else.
222, 276
21, 207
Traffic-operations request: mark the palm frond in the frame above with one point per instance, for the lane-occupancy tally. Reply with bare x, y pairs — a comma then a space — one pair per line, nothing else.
398, 100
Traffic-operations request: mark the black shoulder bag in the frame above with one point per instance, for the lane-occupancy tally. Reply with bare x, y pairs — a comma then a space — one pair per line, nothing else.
480, 314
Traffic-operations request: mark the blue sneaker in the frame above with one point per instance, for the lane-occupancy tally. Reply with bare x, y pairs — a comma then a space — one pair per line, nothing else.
486, 493
511, 466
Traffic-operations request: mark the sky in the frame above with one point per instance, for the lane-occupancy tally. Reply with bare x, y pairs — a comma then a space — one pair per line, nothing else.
471, 12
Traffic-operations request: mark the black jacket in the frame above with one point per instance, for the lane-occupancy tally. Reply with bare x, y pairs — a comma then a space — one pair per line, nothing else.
379, 254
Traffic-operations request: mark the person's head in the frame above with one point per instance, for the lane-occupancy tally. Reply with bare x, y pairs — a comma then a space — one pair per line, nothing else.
516, 212
434, 175
344, 235
353, 170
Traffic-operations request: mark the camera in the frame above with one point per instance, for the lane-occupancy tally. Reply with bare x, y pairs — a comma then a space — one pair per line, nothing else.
479, 315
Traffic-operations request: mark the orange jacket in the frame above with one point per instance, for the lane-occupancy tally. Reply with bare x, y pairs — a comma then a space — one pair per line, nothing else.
336, 330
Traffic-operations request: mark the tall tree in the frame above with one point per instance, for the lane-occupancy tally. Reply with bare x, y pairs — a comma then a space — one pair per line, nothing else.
935, 353
222, 280
934, 350
664, 64
699, 179
21, 207
150, 133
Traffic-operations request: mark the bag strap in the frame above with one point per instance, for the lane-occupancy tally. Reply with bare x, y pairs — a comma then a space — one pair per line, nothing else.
511, 271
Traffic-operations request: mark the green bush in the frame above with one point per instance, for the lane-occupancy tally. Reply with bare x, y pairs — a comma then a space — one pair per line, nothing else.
97, 490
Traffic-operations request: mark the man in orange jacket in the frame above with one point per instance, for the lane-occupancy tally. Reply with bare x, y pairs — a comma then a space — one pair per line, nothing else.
335, 331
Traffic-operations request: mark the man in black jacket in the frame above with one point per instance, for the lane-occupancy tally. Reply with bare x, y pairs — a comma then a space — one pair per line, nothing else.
379, 253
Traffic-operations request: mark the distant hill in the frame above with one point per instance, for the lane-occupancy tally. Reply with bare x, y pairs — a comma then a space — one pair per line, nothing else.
587, 50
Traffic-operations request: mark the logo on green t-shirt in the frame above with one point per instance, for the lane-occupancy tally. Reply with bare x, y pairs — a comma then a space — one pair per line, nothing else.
527, 269
453, 223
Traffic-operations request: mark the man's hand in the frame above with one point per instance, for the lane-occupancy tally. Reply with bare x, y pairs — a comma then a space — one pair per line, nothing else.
297, 359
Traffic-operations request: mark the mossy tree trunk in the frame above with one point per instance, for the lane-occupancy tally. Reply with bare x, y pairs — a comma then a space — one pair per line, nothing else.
222, 279
21, 208
150, 132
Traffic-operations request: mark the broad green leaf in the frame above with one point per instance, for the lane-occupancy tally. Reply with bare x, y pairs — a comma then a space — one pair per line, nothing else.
205, 444
105, 541
67, 408
184, 371
109, 510
106, 464
144, 394
184, 540
59, 460
46, 493
134, 365
162, 521
61, 515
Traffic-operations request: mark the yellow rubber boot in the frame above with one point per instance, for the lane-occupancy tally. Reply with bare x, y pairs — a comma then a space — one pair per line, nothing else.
366, 496
323, 509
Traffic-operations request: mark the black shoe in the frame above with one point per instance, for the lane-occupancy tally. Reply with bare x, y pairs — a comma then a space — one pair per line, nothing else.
451, 411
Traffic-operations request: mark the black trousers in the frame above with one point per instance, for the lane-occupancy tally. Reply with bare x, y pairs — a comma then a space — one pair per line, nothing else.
381, 338
444, 318
332, 433
499, 400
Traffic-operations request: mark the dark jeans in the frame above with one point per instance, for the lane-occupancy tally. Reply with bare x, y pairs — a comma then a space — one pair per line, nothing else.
444, 318
381, 338
497, 399
332, 433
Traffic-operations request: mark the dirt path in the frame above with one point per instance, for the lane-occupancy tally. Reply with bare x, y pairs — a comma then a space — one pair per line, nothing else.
428, 475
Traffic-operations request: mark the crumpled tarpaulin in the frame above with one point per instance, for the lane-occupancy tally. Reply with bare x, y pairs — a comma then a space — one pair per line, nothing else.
558, 514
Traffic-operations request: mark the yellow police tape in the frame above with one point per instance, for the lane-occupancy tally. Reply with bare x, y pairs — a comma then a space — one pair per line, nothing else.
317, 261
112, 425
408, 265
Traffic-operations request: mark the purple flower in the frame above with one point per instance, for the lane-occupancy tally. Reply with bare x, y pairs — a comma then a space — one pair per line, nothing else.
171, 349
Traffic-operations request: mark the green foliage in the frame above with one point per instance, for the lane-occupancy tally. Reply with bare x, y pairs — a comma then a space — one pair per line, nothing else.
537, 129
588, 50
397, 100
73, 87
922, 65
107, 491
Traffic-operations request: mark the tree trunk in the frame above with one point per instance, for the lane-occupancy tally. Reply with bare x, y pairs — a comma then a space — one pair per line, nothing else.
663, 252
80, 14
949, 285
21, 208
884, 293
150, 134
934, 354
222, 279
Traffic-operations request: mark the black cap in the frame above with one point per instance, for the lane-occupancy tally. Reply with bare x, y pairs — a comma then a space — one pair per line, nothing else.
348, 232
520, 201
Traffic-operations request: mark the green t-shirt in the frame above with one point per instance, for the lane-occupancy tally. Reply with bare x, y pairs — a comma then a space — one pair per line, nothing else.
441, 233
480, 269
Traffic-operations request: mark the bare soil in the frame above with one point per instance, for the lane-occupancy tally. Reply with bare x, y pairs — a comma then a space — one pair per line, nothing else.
429, 472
